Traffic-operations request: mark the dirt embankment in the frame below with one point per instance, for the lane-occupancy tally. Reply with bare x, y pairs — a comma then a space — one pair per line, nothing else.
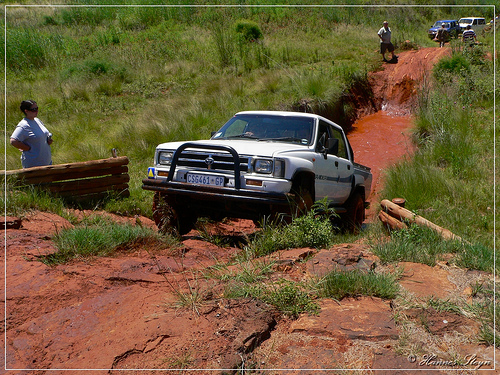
123, 312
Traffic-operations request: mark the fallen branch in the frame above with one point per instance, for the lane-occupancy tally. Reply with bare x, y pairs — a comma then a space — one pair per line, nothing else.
401, 213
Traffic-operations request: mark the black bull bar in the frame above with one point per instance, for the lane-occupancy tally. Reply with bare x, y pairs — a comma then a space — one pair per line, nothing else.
234, 196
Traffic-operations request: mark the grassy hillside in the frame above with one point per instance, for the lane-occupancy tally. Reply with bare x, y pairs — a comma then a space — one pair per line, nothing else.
131, 77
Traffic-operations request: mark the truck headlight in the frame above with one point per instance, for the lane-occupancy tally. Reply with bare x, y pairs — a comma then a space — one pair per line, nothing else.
263, 166
165, 157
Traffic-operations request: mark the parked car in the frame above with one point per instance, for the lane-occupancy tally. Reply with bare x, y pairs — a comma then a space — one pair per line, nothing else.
477, 23
260, 163
451, 26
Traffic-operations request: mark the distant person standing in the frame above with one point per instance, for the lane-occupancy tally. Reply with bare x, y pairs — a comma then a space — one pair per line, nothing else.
442, 35
469, 36
32, 137
385, 41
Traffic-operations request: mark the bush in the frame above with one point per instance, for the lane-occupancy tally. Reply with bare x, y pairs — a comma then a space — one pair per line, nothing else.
248, 30
448, 68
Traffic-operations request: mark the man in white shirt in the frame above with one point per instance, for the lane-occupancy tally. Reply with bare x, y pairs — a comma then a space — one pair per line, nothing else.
385, 41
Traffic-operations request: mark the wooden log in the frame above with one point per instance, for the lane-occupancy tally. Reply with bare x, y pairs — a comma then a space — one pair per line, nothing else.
79, 186
391, 222
121, 189
401, 213
399, 201
72, 175
77, 181
61, 169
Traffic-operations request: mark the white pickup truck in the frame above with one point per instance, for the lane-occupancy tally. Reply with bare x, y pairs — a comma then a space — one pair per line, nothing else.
259, 163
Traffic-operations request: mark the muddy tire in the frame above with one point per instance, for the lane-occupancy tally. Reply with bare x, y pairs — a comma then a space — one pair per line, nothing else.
168, 218
355, 215
303, 200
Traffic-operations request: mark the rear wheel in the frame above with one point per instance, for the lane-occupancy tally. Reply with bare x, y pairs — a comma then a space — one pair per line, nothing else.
355, 213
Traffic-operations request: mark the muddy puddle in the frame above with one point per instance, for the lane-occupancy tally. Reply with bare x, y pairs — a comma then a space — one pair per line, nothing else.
380, 140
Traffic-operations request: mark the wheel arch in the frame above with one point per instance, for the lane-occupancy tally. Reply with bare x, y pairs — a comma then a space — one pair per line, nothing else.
305, 179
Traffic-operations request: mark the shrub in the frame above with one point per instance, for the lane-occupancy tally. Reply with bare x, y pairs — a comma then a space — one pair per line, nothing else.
248, 30
451, 67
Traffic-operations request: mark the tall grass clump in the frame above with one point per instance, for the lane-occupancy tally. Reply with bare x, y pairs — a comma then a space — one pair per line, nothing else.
313, 229
30, 49
101, 237
342, 284
290, 298
423, 245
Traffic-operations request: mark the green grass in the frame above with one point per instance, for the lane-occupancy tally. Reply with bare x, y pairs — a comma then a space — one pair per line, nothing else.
341, 284
102, 237
18, 201
314, 229
288, 297
424, 245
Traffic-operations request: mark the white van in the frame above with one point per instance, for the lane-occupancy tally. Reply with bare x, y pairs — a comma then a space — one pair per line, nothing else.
476, 23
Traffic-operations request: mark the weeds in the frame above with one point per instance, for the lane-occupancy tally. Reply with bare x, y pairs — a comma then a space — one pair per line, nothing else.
314, 229
290, 298
339, 285
415, 244
101, 237
20, 200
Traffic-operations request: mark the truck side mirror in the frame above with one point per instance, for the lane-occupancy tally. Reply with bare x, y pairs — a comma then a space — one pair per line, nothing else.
332, 146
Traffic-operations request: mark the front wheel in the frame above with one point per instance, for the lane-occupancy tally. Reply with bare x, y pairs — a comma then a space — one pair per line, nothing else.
303, 201
170, 219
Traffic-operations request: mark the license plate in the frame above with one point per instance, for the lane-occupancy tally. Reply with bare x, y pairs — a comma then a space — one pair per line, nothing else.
205, 179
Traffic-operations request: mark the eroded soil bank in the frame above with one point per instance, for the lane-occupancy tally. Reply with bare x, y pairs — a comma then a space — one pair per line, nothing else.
122, 312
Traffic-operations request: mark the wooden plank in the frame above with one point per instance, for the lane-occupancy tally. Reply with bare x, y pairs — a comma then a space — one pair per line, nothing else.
61, 169
73, 175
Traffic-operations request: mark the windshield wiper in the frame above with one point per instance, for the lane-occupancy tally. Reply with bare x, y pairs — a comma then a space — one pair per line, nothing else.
245, 135
285, 139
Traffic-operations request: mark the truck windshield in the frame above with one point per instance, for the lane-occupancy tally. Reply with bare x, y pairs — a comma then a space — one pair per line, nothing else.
439, 23
263, 127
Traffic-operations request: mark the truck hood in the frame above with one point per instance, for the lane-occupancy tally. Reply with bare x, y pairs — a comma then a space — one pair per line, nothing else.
245, 147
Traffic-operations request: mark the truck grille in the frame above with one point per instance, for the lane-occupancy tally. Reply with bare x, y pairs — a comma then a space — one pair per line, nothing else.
213, 161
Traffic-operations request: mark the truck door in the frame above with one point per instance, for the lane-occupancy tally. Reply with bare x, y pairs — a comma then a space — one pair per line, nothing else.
334, 170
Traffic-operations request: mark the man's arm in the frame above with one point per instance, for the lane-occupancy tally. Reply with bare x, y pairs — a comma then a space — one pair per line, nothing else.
20, 145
